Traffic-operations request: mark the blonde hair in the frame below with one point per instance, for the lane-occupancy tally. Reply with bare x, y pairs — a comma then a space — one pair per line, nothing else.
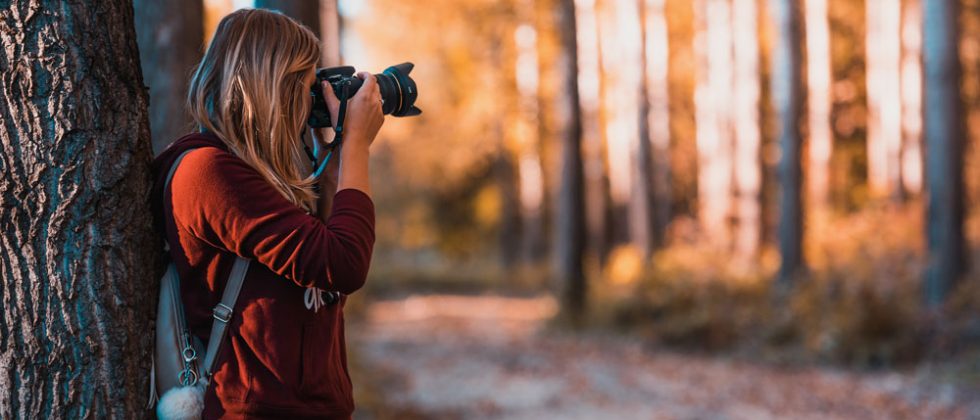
250, 91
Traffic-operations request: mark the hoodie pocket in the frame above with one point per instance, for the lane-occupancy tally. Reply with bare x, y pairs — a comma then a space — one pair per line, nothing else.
320, 376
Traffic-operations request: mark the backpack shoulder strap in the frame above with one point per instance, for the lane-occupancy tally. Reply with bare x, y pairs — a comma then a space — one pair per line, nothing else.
222, 314
223, 311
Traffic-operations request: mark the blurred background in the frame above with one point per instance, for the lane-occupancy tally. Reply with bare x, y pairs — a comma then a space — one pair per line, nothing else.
655, 208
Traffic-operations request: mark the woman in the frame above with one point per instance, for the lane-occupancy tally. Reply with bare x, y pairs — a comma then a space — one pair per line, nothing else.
246, 190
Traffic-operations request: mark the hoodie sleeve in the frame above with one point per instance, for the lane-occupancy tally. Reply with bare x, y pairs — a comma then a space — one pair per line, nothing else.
222, 200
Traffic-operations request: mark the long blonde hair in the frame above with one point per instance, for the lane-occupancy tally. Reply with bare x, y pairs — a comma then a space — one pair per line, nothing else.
249, 90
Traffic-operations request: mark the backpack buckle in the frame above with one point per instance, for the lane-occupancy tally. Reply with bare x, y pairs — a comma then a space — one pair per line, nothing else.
222, 313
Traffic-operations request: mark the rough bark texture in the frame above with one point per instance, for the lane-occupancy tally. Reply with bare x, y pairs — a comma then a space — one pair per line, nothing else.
787, 93
77, 252
944, 134
570, 214
170, 37
305, 11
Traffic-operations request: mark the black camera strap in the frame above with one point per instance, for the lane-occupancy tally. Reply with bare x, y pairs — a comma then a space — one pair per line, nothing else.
338, 130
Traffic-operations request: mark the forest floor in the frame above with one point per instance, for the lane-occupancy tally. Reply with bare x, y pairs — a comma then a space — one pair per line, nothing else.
473, 357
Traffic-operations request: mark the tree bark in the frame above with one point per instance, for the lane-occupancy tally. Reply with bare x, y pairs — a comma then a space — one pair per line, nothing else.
78, 248
944, 134
306, 12
570, 217
170, 47
787, 92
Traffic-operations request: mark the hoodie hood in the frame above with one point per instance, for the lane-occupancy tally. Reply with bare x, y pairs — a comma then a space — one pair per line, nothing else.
162, 163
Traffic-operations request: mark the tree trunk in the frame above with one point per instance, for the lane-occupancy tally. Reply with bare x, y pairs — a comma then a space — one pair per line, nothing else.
884, 100
787, 92
713, 98
745, 116
570, 217
591, 91
819, 101
332, 26
306, 12
170, 48
78, 249
944, 128
657, 55
641, 197
911, 91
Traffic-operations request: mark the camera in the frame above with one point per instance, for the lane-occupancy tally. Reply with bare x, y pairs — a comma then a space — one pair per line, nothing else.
398, 91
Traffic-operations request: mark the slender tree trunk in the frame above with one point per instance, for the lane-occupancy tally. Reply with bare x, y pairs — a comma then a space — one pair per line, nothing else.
505, 172
570, 217
591, 90
654, 122
713, 98
305, 11
748, 165
911, 91
819, 101
170, 48
787, 92
641, 200
884, 100
525, 137
332, 26
944, 136
77, 274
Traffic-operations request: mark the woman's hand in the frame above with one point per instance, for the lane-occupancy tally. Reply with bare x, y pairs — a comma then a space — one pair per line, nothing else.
364, 119
364, 115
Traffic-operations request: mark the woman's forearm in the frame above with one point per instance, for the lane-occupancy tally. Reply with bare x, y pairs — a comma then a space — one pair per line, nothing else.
324, 204
354, 158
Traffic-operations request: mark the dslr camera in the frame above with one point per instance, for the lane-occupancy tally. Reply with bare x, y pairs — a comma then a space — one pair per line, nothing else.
398, 92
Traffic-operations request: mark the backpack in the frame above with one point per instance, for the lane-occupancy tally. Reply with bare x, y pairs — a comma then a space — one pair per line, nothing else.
179, 375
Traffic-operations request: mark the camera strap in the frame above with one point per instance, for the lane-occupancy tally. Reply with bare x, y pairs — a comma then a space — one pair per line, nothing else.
338, 130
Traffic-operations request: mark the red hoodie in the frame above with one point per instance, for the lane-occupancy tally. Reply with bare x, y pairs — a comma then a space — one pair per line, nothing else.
285, 355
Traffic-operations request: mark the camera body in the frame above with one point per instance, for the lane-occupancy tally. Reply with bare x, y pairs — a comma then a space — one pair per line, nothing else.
398, 91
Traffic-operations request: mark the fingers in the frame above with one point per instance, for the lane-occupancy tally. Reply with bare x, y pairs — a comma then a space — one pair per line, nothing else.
332, 101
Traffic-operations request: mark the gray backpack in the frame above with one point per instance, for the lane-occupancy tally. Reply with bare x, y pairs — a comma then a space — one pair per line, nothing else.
179, 376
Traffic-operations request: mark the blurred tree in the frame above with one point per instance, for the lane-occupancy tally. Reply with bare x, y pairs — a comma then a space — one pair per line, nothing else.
944, 137
77, 277
819, 96
883, 51
569, 218
305, 11
170, 36
642, 225
787, 92
911, 157
591, 90
331, 26
747, 135
652, 189
713, 100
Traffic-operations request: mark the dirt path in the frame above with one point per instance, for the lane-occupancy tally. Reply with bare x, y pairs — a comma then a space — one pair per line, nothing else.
487, 357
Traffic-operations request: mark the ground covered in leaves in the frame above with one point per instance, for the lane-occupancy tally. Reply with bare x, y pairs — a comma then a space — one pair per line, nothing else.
472, 357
